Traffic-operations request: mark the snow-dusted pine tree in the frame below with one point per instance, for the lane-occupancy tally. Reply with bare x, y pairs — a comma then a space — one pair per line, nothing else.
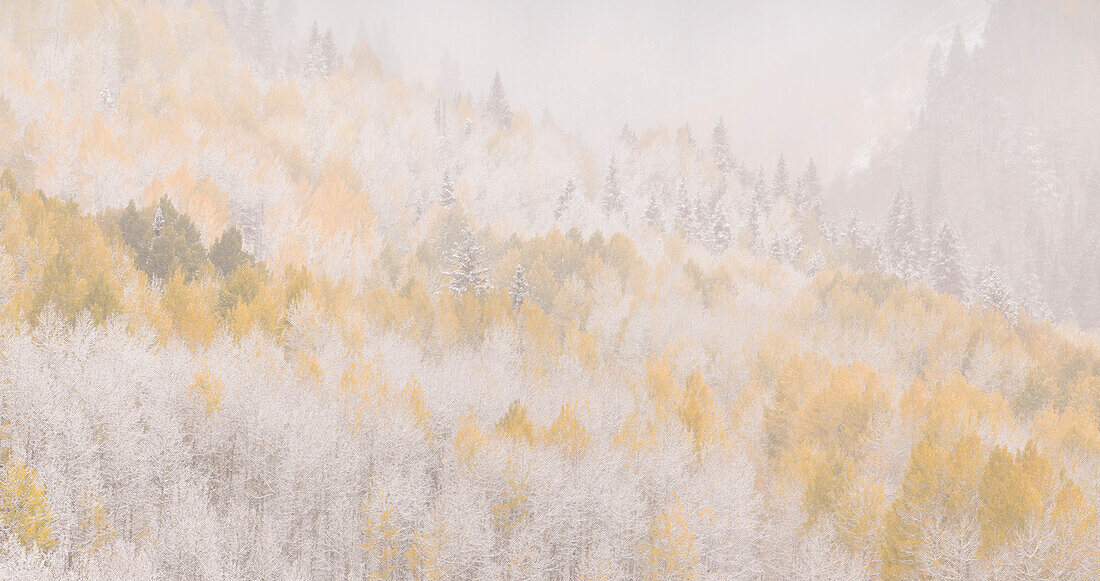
158, 221
330, 57
903, 239
497, 108
447, 190
807, 192
468, 272
945, 270
519, 290
564, 198
760, 195
781, 182
313, 64
653, 214
992, 293
683, 208
721, 235
613, 198
720, 149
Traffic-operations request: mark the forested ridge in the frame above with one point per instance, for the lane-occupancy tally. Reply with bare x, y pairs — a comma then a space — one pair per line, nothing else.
1004, 154
295, 318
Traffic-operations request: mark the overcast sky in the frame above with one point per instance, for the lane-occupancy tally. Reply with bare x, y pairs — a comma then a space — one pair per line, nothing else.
800, 77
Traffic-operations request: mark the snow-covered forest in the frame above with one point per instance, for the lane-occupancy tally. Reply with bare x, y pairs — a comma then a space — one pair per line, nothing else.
270, 309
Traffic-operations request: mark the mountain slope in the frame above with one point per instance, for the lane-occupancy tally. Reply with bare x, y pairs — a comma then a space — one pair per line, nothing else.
350, 330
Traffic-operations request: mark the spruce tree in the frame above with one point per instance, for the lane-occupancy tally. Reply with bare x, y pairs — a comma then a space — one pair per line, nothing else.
497, 108
158, 221
519, 289
653, 214
227, 252
330, 58
683, 208
314, 59
467, 271
902, 239
564, 198
781, 186
721, 235
720, 149
613, 199
447, 191
808, 192
760, 192
945, 270
992, 293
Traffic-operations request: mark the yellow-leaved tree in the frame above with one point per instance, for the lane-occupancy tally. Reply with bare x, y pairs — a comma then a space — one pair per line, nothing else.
24, 506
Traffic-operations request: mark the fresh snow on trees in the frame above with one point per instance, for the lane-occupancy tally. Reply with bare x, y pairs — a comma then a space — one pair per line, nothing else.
447, 196
945, 271
468, 271
613, 196
268, 314
519, 290
497, 108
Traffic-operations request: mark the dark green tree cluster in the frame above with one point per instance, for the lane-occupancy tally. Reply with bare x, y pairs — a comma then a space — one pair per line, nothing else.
165, 240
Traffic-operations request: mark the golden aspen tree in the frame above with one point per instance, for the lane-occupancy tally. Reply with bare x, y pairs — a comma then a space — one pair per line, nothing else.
191, 308
670, 551
207, 390
95, 523
24, 506
697, 412
567, 432
515, 423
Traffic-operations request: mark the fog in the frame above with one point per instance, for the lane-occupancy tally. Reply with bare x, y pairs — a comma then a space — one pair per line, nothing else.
805, 78
280, 301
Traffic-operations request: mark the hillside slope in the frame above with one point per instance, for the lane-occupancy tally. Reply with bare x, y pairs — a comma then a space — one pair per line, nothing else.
348, 330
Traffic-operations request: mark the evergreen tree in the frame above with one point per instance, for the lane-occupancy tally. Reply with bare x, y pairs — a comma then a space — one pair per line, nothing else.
447, 191
685, 136
259, 33
760, 192
440, 117
815, 264
227, 253
314, 62
945, 270
627, 136
519, 289
807, 193
158, 221
754, 221
107, 100
171, 242
720, 149
330, 58
564, 198
992, 293
497, 108
684, 213
701, 222
721, 235
653, 214
903, 239
781, 186
467, 271
613, 197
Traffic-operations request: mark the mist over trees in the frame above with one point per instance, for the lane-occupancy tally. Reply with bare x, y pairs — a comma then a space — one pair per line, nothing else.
1005, 150
272, 310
